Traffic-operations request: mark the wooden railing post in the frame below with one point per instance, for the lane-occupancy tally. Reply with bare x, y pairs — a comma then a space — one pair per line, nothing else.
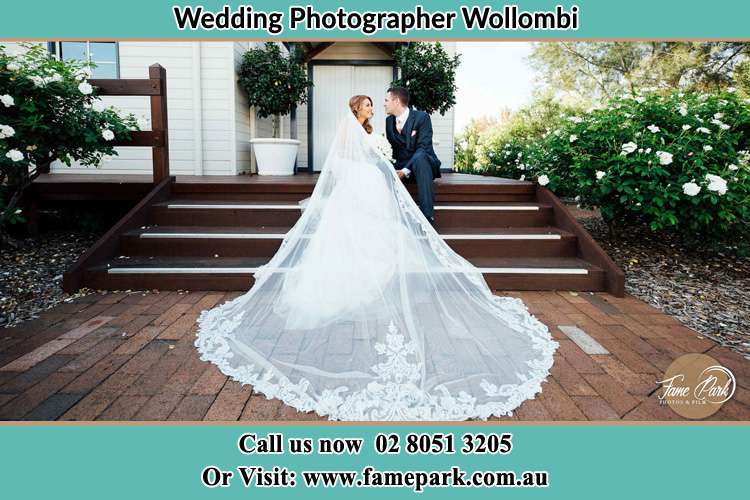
159, 122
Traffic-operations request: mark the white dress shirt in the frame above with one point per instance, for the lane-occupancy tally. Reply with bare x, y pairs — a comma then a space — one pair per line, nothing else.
400, 122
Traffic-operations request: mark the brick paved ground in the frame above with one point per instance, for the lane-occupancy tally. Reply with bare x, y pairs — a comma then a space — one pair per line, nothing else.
124, 356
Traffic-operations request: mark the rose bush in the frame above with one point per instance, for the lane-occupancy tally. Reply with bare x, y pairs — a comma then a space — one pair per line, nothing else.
49, 111
675, 161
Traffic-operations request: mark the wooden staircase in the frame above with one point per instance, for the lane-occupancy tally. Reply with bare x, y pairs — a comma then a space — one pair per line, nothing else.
213, 235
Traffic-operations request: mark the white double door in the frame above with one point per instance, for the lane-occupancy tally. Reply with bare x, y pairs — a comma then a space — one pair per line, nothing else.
334, 85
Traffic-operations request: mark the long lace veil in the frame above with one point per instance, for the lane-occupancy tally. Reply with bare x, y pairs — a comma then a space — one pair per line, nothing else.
365, 313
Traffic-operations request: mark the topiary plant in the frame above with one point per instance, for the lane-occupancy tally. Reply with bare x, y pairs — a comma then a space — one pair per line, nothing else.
275, 84
430, 75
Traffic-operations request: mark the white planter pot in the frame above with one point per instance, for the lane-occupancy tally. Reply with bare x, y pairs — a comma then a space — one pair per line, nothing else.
275, 156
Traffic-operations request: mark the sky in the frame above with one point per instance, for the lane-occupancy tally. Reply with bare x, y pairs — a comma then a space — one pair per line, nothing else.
492, 75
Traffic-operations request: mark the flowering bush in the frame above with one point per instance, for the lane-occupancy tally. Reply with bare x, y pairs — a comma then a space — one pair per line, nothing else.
49, 111
677, 161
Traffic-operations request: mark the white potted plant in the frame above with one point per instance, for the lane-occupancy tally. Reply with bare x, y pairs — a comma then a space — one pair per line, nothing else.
275, 84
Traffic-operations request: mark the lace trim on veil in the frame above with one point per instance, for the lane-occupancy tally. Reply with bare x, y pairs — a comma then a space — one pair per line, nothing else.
394, 395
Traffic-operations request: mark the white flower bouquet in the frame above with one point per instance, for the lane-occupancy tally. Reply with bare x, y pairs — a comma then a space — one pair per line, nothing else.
383, 146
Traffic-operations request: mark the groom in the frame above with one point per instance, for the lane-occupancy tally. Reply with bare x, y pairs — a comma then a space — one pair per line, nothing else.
410, 133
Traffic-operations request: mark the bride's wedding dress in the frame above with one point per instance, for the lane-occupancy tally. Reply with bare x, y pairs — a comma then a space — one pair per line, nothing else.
365, 313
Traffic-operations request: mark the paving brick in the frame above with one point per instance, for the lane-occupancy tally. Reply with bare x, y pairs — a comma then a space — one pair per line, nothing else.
135, 343
123, 408
630, 358
570, 380
258, 408
578, 359
192, 407
637, 384
185, 326
88, 380
158, 407
53, 407
32, 397
612, 391
172, 314
532, 409
595, 408
88, 408
558, 403
157, 370
24, 380
210, 382
230, 402
86, 360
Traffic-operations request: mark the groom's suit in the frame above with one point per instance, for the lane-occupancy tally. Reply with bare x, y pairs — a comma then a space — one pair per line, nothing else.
412, 149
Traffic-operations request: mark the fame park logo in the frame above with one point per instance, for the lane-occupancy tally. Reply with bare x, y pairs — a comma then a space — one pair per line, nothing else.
696, 385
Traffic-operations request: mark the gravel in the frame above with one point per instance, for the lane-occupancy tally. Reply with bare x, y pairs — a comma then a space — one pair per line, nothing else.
706, 290
31, 275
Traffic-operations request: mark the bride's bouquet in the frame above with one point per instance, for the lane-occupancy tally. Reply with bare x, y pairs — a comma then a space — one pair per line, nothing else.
383, 146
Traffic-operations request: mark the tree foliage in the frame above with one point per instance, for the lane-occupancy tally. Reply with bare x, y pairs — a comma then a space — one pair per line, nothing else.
429, 73
274, 83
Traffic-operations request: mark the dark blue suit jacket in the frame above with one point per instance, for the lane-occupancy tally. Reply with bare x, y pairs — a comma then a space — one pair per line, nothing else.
414, 141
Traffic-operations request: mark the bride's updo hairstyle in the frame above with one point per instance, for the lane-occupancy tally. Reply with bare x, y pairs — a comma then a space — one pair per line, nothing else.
354, 104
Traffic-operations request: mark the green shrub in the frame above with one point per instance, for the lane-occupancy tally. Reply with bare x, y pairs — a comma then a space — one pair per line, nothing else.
676, 161
49, 111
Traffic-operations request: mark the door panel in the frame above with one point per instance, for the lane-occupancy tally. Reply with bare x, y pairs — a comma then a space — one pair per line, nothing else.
334, 85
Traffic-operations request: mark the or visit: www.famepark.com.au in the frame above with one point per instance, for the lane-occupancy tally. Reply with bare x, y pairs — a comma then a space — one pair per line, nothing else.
370, 477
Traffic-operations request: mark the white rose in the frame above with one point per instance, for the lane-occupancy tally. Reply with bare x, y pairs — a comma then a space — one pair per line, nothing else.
7, 100
629, 147
664, 157
6, 131
522, 178
108, 134
543, 180
691, 188
653, 128
703, 130
600, 175
716, 183
731, 90
733, 167
686, 127
648, 150
98, 106
683, 109
573, 138
14, 155
13, 66
707, 148
85, 88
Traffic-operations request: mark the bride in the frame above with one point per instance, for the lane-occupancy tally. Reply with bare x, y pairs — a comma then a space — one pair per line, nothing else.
365, 313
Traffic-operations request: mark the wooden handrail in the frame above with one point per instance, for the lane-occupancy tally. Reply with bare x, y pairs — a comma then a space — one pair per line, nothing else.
107, 245
155, 86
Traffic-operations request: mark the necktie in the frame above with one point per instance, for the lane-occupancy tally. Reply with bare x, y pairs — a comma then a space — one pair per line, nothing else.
399, 125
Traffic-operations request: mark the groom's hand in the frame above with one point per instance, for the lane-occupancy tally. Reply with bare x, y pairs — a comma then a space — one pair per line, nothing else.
401, 174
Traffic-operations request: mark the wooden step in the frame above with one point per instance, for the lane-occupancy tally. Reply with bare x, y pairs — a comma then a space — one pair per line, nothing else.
283, 214
450, 188
207, 241
226, 273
